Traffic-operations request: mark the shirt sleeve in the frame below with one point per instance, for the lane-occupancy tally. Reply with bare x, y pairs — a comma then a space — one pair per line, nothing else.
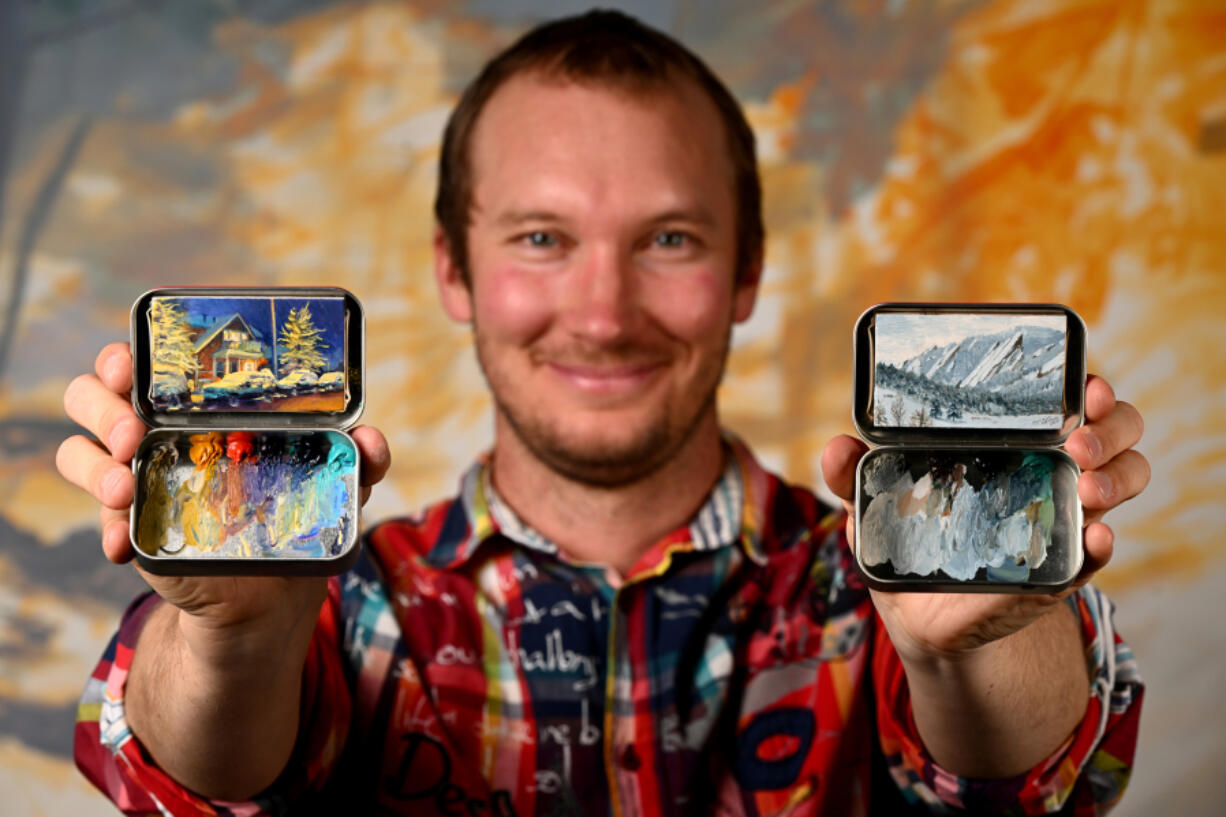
1087, 775
113, 759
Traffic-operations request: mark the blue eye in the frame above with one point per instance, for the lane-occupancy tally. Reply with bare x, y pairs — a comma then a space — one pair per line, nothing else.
670, 239
540, 239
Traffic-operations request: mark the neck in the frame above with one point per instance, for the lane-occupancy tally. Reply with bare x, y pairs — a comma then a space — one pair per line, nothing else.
612, 526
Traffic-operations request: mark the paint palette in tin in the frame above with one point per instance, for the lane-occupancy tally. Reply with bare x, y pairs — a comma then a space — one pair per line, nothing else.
247, 469
969, 491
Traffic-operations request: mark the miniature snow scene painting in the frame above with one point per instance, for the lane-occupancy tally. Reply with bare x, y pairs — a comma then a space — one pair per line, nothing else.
990, 515
964, 370
247, 354
247, 494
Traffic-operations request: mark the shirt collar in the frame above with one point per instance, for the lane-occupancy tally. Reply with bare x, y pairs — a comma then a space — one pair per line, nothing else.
733, 512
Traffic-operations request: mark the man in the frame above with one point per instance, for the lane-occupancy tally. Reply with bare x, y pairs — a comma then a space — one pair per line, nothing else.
621, 612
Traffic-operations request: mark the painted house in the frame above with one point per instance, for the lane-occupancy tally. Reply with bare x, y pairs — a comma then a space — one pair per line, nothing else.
229, 345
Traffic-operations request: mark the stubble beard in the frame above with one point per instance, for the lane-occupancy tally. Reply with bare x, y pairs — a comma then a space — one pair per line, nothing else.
602, 464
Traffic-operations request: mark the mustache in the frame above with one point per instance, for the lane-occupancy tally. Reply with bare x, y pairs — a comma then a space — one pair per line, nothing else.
615, 356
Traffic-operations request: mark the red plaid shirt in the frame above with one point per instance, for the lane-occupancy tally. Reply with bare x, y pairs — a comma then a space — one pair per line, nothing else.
465, 668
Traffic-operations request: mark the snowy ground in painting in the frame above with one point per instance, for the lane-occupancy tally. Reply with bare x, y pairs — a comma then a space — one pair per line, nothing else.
912, 405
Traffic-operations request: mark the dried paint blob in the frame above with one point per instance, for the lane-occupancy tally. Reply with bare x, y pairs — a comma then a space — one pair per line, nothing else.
247, 494
991, 516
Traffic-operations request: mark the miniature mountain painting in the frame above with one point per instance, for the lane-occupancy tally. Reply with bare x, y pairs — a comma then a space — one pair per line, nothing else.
962, 370
247, 354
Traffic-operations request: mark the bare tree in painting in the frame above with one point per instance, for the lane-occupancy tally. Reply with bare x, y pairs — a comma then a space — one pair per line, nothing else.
898, 411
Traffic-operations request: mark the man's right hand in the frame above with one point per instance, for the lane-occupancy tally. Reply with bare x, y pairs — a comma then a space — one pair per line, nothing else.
100, 403
233, 646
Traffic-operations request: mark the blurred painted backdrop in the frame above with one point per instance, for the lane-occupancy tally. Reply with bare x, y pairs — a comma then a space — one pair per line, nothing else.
1051, 150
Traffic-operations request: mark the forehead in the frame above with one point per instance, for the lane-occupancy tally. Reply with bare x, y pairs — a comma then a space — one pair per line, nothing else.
542, 135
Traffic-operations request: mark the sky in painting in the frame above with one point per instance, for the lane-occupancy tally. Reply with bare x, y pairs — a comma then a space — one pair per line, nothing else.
903, 335
328, 315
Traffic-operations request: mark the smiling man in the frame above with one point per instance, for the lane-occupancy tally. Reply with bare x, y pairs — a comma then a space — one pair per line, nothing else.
602, 284
621, 612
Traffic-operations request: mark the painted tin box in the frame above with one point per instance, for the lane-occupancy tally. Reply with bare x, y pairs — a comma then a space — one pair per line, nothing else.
247, 469
968, 489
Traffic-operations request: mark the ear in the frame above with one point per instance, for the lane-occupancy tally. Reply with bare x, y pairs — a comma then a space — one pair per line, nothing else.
746, 293
453, 291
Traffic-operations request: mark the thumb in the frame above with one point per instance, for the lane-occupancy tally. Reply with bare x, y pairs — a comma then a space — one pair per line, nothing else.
838, 464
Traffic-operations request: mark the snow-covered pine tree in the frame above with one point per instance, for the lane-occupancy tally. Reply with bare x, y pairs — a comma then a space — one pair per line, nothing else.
173, 347
302, 346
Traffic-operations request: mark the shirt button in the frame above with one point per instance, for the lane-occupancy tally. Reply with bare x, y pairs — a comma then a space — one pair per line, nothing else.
630, 758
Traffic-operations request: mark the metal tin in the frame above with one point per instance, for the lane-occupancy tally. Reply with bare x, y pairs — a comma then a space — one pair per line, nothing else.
248, 469
956, 392
963, 519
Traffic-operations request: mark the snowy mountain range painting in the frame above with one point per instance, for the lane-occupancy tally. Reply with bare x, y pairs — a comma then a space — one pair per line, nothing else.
247, 353
964, 370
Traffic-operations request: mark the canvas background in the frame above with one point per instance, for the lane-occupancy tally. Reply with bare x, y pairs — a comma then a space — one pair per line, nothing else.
1049, 150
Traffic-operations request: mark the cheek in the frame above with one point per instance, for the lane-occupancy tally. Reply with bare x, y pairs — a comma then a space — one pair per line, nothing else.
512, 305
693, 306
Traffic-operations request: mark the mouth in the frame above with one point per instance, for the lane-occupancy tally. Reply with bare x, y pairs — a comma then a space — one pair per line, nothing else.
596, 379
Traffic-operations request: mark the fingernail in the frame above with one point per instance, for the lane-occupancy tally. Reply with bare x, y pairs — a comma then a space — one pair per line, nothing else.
1093, 446
116, 435
1104, 484
111, 369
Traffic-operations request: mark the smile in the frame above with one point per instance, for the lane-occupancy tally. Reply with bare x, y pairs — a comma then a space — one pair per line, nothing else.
605, 379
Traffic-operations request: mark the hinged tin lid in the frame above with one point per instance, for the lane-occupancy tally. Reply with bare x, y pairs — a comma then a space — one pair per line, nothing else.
250, 357
969, 374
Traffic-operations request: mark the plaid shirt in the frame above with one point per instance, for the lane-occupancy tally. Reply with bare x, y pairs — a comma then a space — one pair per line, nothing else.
465, 667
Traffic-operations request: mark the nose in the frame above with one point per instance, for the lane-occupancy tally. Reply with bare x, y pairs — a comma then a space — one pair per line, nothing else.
602, 303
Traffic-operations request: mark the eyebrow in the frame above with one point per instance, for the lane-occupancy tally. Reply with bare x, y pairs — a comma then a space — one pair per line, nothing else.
512, 218
694, 215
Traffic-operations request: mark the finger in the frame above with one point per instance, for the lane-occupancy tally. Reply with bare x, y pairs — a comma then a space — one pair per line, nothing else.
1099, 442
1119, 480
85, 464
114, 367
1100, 398
838, 464
104, 414
1099, 546
116, 541
376, 456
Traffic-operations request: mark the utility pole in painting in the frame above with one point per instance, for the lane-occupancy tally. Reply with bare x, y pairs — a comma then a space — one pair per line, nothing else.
272, 306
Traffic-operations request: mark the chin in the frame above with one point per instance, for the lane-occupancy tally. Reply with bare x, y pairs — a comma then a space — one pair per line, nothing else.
602, 452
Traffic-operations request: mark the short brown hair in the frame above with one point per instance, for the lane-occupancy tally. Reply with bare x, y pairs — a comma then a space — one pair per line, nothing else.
600, 47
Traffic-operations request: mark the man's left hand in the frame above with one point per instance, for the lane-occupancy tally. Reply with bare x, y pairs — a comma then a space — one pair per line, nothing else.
949, 625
